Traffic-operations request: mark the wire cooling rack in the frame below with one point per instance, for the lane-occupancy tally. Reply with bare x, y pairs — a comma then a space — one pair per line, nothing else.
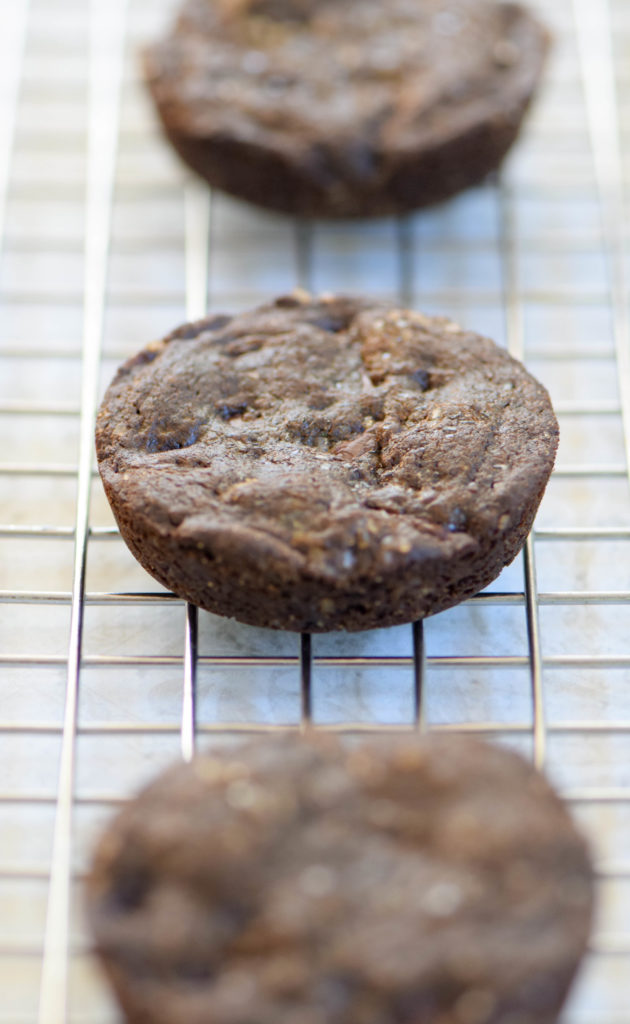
103, 676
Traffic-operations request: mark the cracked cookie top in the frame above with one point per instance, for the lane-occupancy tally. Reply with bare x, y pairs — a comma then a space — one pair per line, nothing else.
343, 437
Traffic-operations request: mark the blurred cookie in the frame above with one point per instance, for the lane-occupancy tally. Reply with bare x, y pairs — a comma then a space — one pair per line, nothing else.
291, 880
360, 108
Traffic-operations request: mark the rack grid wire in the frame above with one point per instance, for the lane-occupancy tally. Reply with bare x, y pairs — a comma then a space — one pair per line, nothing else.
104, 677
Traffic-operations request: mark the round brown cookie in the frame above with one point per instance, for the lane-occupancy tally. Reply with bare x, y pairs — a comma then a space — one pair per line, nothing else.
353, 108
292, 880
325, 464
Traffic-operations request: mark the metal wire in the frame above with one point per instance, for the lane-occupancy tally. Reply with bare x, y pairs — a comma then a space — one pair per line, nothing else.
306, 695
303, 244
406, 278
106, 51
514, 326
189, 708
595, 46
12, 68
419, 671
198, 209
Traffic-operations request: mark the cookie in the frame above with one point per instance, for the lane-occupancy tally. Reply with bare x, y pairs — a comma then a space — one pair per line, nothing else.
321, 464
352, 109
292, 880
